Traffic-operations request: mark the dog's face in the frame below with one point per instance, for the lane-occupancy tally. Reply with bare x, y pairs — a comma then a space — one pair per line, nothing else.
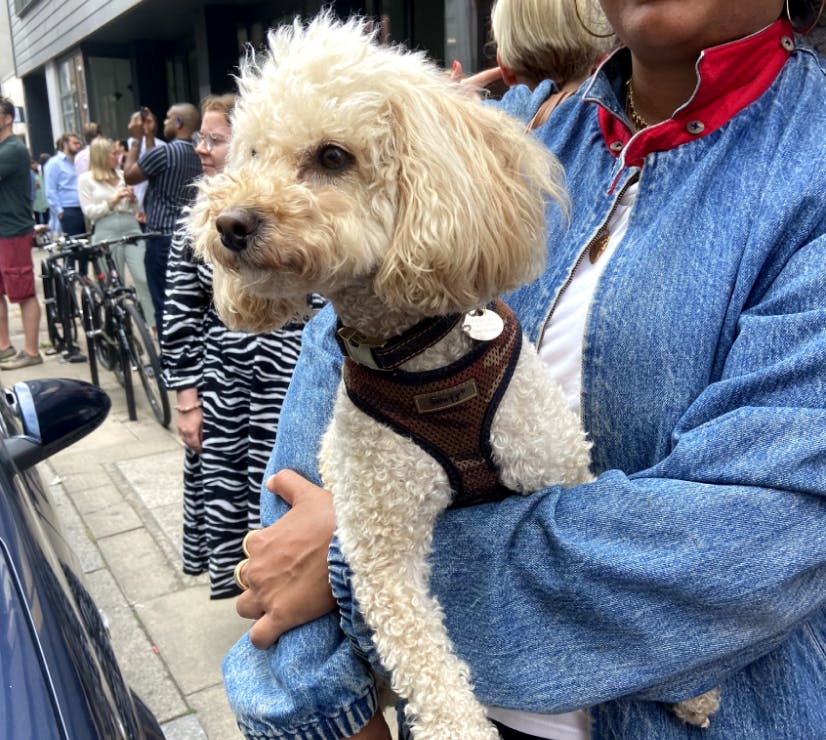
352, 165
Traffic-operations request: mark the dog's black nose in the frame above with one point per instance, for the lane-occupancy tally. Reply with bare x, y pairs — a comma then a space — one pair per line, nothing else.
236, 226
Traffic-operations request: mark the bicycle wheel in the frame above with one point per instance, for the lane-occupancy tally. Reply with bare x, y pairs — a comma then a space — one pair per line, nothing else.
106, 349
91, 328
146, 362
68, 310
122, 370
50, 275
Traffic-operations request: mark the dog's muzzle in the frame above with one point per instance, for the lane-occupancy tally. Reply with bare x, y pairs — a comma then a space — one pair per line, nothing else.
236, 226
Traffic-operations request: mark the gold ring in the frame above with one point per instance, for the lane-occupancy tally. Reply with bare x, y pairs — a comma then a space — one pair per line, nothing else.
244, 542
242, 584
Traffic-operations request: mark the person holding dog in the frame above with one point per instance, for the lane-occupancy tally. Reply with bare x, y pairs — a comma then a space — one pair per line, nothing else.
683, 307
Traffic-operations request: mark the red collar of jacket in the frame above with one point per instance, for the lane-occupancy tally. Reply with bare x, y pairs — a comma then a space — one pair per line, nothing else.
729, 78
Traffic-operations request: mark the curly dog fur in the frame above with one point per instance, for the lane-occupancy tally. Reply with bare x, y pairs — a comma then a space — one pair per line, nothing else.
362, 173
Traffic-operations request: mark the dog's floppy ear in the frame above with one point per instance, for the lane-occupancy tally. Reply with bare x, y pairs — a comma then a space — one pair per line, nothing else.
473, 188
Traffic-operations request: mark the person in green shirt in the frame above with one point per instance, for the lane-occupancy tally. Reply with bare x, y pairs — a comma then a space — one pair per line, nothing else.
16, 233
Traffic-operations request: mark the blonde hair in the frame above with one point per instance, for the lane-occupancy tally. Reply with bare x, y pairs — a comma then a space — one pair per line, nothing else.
219, 103
545, 39
99, 165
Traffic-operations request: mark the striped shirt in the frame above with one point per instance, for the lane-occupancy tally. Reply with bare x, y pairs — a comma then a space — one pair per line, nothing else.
170, 170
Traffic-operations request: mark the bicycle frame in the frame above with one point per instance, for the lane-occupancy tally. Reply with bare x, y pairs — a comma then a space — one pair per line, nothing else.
59, 280
117, 336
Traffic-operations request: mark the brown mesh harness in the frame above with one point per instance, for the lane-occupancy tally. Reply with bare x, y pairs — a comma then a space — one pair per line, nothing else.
447, 412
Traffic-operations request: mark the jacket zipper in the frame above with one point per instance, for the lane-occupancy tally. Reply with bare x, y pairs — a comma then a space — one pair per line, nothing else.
594, 249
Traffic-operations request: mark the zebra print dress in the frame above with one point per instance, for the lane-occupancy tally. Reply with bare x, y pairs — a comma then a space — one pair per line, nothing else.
241, 379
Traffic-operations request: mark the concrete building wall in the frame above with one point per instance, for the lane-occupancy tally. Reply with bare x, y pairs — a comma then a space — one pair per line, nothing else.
6, 56
11, 86
48, 28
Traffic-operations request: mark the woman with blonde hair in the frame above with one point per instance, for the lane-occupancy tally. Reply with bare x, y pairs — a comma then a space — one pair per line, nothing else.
540, 40
544, 39
111, 207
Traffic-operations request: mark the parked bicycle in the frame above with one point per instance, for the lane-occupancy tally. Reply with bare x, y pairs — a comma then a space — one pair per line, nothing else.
61, 283
117, 336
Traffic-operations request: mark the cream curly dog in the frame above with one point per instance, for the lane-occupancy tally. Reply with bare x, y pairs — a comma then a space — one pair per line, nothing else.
361, 173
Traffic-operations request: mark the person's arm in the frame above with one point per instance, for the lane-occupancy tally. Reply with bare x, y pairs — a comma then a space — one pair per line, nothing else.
11, 160
185, 309
133, 173
52, 173
186, 304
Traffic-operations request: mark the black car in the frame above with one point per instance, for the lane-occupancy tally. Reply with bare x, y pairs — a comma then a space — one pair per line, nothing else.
60, 678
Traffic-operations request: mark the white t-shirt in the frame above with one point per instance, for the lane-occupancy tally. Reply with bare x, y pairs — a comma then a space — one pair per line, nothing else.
560, 348
82, 160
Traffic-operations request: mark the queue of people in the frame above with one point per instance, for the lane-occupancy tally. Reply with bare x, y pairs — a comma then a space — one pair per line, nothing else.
682, 310
229, 385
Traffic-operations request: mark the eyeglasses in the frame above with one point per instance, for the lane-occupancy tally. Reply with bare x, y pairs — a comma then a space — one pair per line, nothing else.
209, 141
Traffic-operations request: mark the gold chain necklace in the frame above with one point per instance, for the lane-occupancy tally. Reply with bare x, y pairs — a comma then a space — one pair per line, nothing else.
638, 121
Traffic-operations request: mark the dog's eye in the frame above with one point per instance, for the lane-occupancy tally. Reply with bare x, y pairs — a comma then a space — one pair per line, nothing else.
253, 153
334, 158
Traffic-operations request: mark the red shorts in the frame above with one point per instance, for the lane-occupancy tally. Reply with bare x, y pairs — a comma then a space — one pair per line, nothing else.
16, 268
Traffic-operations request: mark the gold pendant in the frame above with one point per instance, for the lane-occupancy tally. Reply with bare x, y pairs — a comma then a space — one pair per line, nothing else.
598, 244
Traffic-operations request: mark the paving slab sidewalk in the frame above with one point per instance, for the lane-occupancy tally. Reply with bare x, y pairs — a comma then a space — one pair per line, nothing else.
119, 493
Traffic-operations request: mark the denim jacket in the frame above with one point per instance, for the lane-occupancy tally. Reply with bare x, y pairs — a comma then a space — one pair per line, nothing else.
698, 556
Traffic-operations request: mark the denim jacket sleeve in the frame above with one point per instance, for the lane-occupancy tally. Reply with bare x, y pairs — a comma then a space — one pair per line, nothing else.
310, 684
658, 584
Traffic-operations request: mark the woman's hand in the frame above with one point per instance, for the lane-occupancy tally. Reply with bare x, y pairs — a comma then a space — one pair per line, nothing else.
120, 194
287, 569
190, 423
191, 429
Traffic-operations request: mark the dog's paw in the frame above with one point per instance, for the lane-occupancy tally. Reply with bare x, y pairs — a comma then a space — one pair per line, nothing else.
698, 710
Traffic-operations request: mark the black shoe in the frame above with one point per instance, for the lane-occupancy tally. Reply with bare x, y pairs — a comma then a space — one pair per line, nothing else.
74, 357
